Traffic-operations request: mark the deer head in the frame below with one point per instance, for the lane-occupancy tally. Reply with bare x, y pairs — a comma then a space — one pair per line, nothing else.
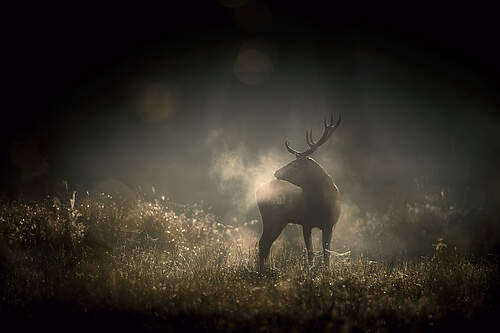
304, 171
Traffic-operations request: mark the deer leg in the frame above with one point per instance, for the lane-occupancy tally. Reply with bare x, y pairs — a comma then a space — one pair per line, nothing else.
306, 231
327, 235
266, 241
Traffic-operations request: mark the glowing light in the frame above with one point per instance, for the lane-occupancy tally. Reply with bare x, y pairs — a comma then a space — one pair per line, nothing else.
253, 65
253, 17
157, 102
235, 173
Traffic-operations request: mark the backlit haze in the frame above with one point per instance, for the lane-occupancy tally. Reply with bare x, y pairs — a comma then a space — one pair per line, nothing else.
200, 111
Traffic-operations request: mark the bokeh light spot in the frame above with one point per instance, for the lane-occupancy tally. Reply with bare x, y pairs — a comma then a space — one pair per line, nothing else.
157, 102
252, 65
253, 17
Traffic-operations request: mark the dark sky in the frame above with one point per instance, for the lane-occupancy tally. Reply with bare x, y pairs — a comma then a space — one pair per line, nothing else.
197, 99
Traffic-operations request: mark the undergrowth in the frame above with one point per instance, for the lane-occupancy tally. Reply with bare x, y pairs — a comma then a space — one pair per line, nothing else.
155, 265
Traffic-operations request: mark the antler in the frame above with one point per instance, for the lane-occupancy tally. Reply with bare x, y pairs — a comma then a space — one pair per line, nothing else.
327, 132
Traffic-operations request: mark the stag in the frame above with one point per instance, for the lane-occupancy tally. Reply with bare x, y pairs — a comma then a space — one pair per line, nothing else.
302, 193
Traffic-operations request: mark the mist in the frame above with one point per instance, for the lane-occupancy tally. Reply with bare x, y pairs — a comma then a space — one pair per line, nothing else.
201, 114
134, 141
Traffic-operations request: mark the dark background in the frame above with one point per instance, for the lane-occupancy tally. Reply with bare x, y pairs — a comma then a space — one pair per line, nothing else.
115, 96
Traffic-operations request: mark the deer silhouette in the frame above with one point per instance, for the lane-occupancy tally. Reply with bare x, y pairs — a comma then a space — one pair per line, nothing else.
302, 193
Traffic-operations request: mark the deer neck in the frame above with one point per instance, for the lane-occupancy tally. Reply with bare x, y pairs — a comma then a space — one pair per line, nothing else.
318, 187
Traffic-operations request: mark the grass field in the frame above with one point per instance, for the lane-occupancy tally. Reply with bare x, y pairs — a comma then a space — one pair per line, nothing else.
102, 264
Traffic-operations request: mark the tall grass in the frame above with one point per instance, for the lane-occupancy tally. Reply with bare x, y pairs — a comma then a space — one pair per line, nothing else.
101, 260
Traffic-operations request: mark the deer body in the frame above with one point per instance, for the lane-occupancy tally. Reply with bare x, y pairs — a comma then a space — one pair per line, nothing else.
304, 194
